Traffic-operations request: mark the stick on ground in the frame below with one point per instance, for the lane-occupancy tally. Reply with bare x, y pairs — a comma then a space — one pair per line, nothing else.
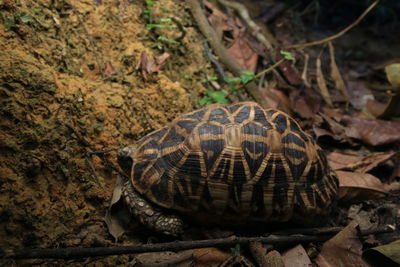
69, 253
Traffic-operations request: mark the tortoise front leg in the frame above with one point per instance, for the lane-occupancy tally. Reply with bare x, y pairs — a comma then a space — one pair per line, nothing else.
149, 215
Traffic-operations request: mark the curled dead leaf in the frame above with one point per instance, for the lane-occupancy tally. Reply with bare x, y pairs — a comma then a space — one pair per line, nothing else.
335, 73
371, 131
276, 99
354, 186
117, 216
359, 94
244, 55
362, 164
344, 249
304, 102
108, 69
322, 84
148, 65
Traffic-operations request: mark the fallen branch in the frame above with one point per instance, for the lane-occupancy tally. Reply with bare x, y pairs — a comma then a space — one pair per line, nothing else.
244, 14
69, 253
335, 36
220, 50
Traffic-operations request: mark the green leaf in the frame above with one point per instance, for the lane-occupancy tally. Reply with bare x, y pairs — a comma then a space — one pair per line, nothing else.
287, 55
205, 101
165, 20
233, 80
149, 3
147, 12
26, 18
152, 26
9, 23
247, 76
218, 97
165, 39
98, 127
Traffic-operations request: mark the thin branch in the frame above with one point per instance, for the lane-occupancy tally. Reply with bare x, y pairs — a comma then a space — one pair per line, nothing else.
269, 68
345, 30
220, 50
244, 14
68, 253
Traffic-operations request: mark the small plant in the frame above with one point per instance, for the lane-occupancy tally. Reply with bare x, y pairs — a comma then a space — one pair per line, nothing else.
236, 82
167, 40
213, 97
98, 127
210, 79
12, 21
159, 23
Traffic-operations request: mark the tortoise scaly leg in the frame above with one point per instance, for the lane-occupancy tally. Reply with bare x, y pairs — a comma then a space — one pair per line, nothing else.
149, 215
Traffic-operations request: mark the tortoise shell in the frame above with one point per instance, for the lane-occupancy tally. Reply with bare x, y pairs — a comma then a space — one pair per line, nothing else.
233, 164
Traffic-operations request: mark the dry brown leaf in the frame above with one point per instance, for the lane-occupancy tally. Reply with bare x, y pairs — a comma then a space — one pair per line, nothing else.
148, 65
362, 164
334, 126
359, 94
395, 186
276, 99
289, 71
117, 217
319, 132
161, 58
145, 64
304, 104
373, 132
354, 186
376, 108
344, 249
108, 69
304, 76
335, 73
244, 54
296, 257
322, 84
209, 256
219, 21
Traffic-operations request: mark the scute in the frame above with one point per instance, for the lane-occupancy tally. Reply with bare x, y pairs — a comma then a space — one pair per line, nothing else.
235, 163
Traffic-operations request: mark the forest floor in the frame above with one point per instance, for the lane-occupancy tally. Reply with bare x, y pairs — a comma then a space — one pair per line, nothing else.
74, 73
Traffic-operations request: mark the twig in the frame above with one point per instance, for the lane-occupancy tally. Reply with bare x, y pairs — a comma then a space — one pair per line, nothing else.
244, 14
214, 61
68, 253
269, 68
345, 30
220, 50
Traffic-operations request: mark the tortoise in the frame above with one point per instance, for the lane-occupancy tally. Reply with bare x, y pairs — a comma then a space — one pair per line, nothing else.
228, 164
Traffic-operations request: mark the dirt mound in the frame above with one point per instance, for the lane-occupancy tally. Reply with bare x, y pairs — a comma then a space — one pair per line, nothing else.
74, 64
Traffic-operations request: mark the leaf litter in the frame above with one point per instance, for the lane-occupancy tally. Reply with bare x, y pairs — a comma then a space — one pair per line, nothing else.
110, 115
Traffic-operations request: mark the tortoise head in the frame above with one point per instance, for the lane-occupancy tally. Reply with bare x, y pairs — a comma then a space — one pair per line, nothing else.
125, 158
